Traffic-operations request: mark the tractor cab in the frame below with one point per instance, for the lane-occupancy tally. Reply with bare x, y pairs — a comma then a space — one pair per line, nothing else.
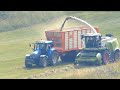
92, 40
42, 46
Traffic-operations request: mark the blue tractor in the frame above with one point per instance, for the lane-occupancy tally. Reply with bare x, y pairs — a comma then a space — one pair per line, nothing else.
43, 54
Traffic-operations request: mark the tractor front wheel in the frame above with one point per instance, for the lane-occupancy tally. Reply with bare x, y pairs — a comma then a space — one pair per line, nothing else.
43, 62
105, 57
27, 65
69, 56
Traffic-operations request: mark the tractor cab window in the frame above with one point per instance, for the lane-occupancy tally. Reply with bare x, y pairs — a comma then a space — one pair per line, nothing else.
48, 46
39, 46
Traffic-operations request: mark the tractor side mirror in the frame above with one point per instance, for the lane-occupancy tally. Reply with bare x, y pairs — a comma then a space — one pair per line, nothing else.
29, 45
52, 45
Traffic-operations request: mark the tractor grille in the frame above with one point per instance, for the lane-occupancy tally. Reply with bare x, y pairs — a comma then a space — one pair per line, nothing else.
32, 56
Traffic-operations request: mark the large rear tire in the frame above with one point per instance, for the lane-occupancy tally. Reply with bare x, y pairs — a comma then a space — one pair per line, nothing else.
43, 62
105, 57
54, 58
117, 56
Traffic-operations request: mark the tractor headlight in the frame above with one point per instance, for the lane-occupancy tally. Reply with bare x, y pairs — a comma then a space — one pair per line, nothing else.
35, 52
99, 56
27, 55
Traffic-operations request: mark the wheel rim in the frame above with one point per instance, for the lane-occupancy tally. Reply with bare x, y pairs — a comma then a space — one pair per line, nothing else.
43, 62
54, 58
106, 57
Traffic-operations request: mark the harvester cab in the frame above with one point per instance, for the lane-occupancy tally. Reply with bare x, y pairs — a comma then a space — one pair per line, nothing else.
92, 40
43, 54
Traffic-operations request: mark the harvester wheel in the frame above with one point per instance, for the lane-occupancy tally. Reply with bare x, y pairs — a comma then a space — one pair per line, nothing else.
105, 57
54, 58
27, 65
117, 56
43, 62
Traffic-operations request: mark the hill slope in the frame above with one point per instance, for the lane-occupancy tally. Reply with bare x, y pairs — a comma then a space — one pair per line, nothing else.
12, 20
18, 29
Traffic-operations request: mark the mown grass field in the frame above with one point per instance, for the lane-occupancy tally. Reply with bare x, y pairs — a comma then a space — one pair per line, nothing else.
17, 32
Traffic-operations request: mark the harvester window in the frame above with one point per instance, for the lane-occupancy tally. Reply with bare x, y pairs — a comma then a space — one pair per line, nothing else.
90, 42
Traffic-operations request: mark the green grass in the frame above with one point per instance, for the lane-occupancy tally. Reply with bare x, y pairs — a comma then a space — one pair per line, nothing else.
22, 28
110, 71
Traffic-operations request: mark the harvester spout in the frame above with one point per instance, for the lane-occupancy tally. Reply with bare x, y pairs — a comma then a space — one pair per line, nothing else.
75, 18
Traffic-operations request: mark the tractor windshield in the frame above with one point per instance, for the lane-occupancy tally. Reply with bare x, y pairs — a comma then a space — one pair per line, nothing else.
38, 46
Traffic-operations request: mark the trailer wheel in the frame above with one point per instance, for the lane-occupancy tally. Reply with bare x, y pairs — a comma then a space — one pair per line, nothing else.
105, 57
54, 58
117, 56
72, 56
69, 57
63, 58
43, 62
27, 65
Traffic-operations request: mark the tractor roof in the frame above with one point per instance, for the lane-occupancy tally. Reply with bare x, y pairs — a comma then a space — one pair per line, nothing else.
92, 34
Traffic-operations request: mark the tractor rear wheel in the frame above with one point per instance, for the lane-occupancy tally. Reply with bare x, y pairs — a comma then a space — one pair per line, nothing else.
54, 58
43, 62
105, 57
117, 56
